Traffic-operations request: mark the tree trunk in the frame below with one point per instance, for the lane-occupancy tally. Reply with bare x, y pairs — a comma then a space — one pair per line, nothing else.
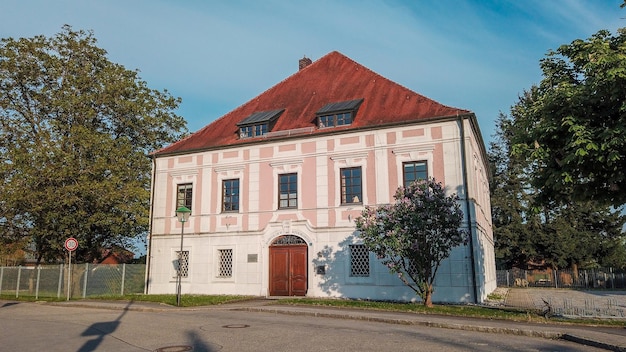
428, 299
575, 272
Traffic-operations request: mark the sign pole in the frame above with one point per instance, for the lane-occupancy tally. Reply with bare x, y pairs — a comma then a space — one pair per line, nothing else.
70, 244
69, 276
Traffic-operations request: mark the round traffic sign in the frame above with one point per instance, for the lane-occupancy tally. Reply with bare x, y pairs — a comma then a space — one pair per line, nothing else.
71, 244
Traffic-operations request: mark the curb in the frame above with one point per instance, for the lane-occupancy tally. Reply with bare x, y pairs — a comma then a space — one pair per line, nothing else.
554, 335
509, 331
593, 343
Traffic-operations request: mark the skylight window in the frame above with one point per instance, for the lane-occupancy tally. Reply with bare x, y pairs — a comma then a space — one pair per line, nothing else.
337, 114
258, 124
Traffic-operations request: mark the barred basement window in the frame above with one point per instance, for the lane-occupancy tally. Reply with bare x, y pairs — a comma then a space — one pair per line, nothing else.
359, 261
183, 263
225, 263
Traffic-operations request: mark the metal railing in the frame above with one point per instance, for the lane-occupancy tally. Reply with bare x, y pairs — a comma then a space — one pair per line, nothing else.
601, 278
85, 280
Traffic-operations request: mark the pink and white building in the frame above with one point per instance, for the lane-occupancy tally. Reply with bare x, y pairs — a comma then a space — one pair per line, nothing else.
274, 187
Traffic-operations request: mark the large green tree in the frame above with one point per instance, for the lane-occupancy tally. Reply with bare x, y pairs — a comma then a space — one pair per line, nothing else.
532, 231
510, 201
415, 234
572, 126
75, 133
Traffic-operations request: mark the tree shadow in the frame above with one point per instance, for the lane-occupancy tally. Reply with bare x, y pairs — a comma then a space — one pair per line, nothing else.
331, 265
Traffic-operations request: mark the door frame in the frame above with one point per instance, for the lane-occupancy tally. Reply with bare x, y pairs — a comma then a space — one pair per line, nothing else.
294, 246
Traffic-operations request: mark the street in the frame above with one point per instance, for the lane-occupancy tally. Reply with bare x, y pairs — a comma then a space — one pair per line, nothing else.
43, 327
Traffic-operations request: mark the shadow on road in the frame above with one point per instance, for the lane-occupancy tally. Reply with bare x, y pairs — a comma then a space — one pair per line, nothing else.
100, 330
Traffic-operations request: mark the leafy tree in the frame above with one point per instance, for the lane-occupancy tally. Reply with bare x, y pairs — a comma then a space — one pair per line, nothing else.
415, 234
572, 126
534, 231
510, 201
75, 133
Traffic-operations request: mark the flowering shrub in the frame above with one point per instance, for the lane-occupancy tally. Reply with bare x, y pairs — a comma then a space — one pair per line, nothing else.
415, 234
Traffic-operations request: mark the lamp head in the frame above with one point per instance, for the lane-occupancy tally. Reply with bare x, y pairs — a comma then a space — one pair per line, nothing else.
182, 213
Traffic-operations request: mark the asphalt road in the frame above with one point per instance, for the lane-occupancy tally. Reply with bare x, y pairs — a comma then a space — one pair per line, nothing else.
39, 327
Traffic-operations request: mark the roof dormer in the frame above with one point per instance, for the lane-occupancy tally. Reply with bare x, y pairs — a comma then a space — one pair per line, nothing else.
258, 124
337, 114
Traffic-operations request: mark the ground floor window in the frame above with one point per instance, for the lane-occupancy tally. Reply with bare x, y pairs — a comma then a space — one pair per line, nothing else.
182, 263
359, 261
225, 263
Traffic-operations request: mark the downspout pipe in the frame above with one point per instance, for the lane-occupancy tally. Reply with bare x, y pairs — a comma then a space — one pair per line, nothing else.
149, 250
468, 214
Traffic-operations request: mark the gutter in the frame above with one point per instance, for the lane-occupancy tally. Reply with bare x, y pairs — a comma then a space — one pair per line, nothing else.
467, 205
149, 249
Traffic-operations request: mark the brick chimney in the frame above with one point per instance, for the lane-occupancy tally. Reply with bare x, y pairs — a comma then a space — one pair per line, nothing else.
304, 62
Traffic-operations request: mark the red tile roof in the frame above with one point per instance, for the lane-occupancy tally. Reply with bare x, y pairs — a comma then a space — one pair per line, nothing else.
332, 78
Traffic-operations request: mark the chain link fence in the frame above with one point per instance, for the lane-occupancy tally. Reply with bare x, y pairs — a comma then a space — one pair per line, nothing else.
601, 278
83, 280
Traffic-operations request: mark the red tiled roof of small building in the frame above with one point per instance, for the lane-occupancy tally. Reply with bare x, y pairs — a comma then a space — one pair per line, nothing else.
332, 78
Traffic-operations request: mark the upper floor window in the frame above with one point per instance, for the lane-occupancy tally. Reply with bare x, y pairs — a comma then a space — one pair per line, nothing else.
258, 124
337, 114
230, 195
340, 119
183, 196
414, 170
287, 191
351, 185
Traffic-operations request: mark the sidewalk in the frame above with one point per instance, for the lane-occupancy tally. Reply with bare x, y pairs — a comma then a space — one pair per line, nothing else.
602, 304
613, 339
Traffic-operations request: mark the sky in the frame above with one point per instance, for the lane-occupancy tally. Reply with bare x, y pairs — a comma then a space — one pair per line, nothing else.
217, 55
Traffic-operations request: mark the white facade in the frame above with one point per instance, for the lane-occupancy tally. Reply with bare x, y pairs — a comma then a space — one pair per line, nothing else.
454, 154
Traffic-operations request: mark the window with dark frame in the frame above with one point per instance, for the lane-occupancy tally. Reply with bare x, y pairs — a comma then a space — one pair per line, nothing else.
414, 170
230, 195
351, 185
183, 195
340, 119
287, 191
338, 113
258, 123
359, 261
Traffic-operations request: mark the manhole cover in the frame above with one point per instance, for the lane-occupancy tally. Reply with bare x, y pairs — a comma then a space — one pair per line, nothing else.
236, 326
174, 349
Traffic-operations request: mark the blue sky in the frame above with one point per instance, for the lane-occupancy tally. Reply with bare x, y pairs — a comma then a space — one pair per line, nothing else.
217, 55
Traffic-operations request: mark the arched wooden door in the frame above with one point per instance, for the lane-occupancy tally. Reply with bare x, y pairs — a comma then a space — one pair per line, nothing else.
288, 269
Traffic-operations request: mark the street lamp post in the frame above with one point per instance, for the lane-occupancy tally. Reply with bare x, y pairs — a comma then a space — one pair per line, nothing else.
182, 213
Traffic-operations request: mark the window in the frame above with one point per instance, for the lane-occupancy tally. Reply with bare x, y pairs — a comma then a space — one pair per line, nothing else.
260, 130
351, 185
337, 114
258, 123
182, 263
359, 261
340, 119
225, 263
245, 132
287, 191
230, 195
183, 196
414, 170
